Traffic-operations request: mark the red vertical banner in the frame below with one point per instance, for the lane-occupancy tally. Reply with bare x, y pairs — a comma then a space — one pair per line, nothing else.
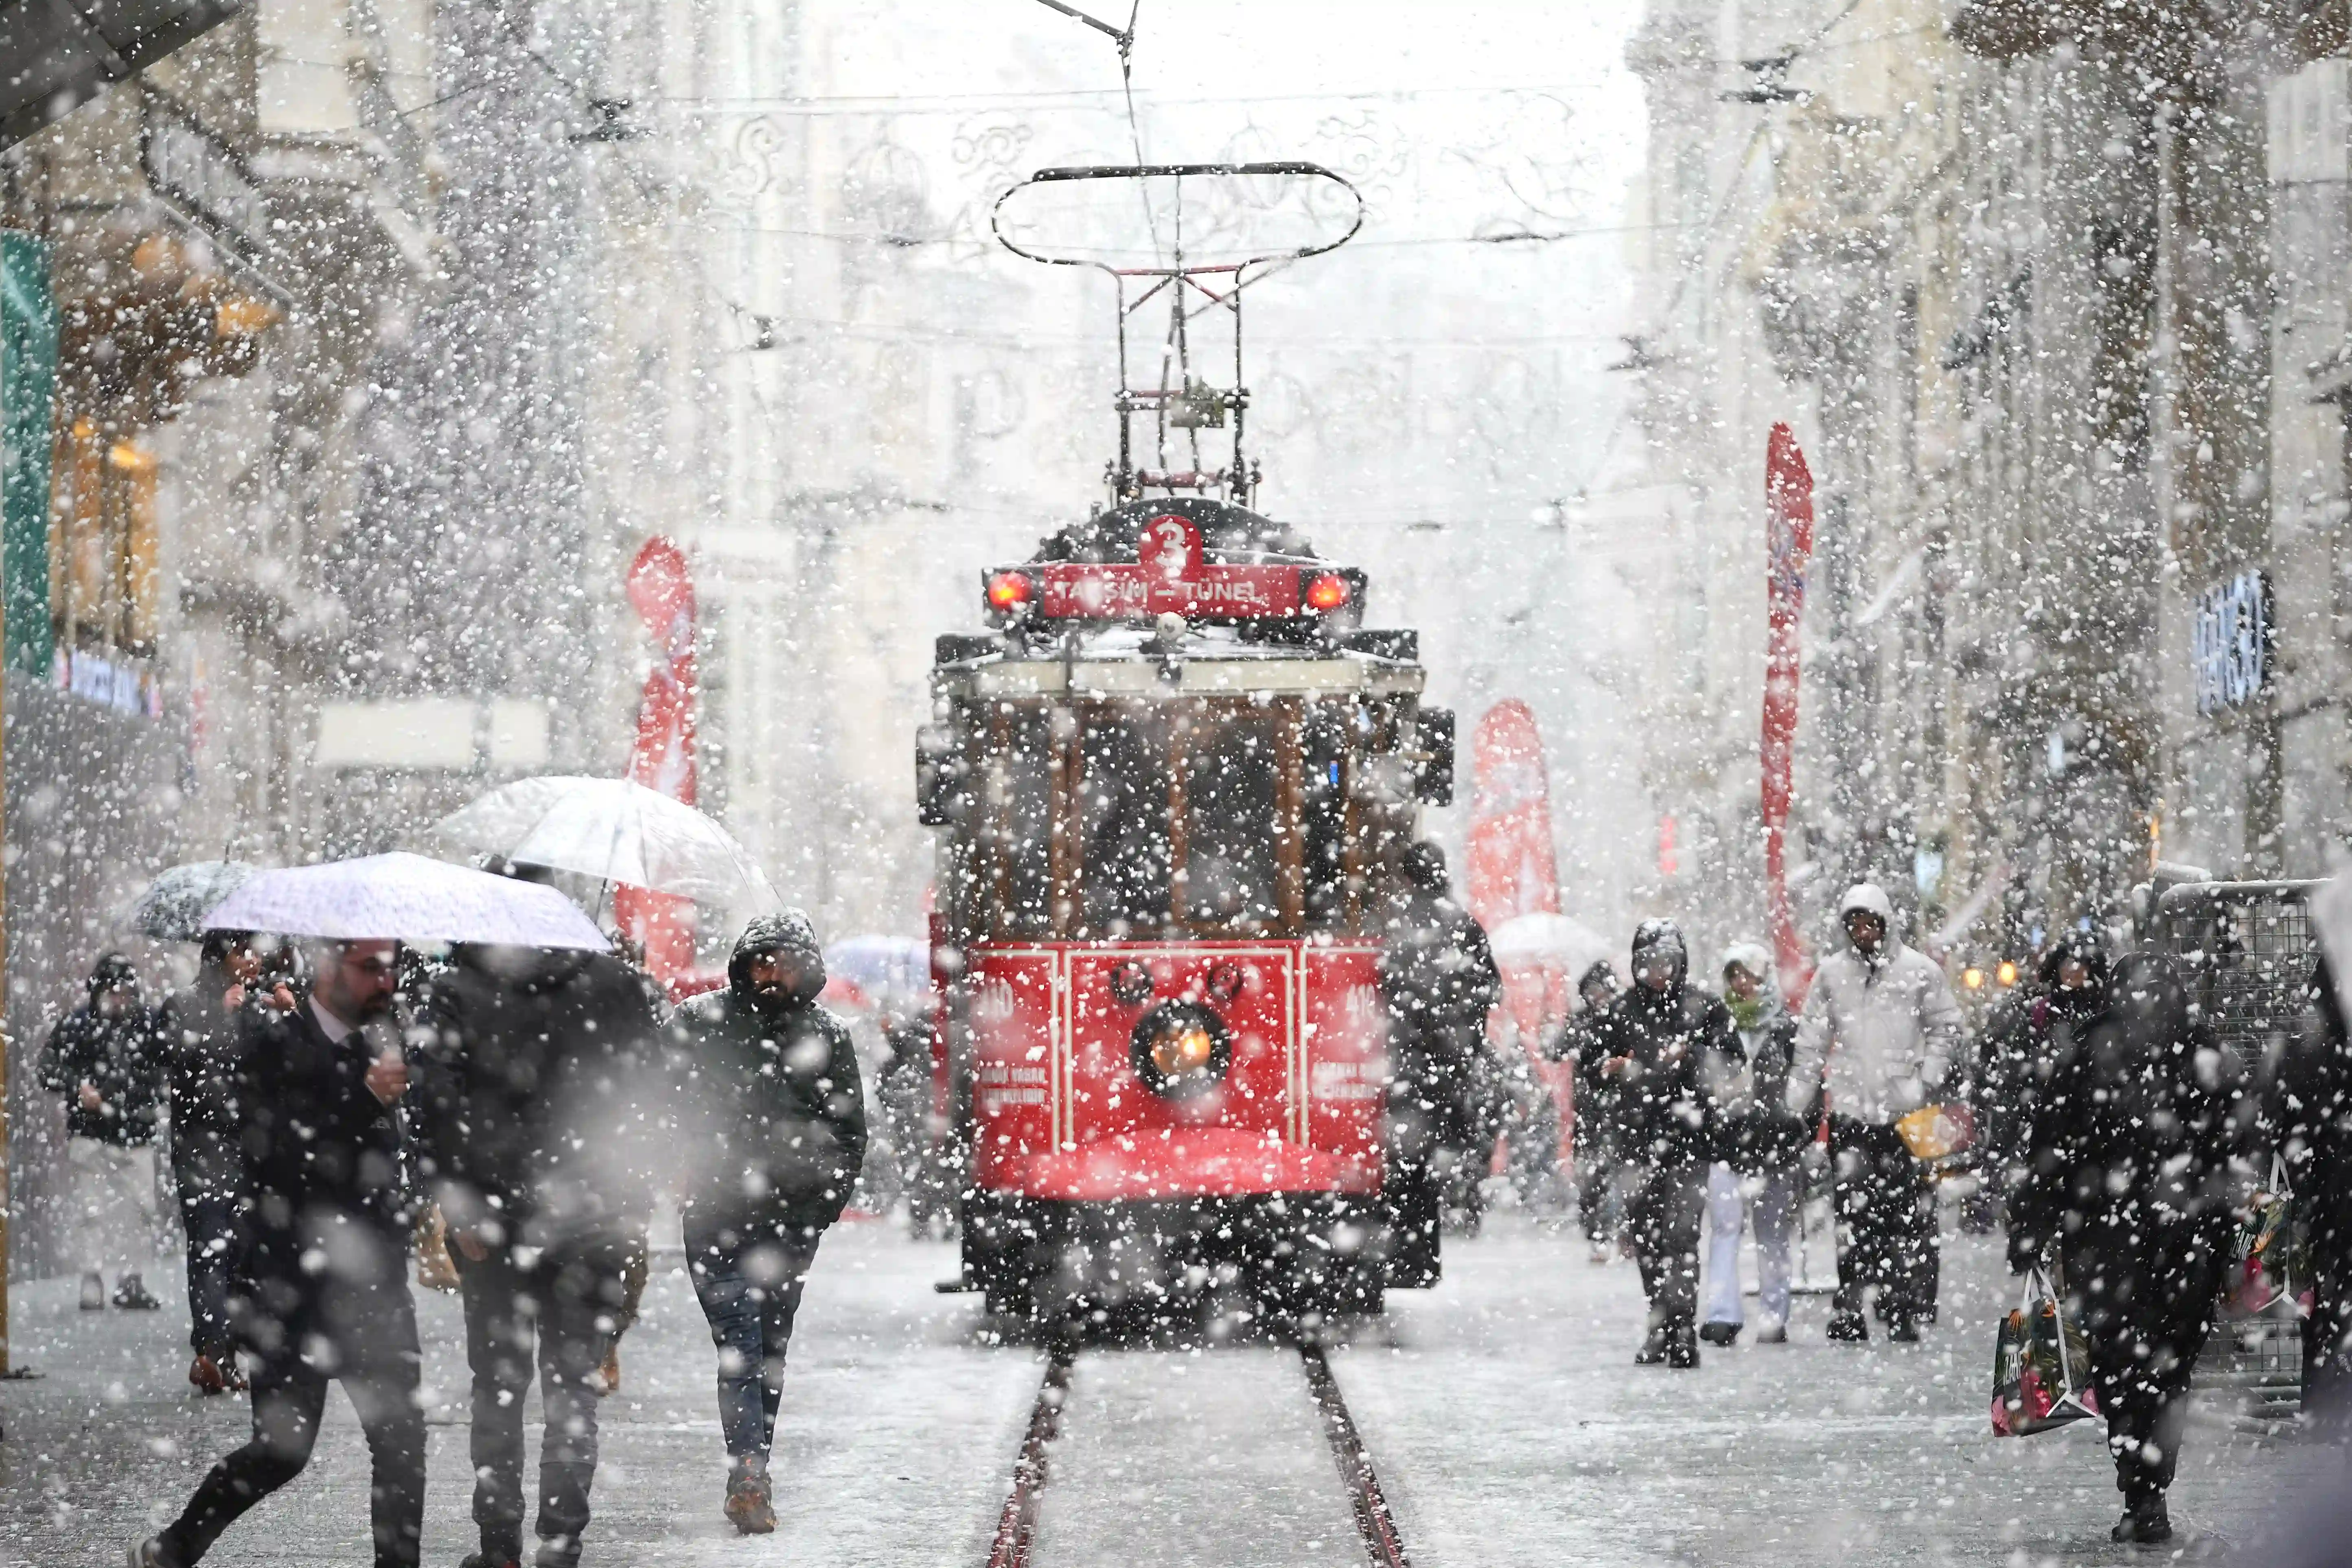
1788, 546
661, 590
1513, 889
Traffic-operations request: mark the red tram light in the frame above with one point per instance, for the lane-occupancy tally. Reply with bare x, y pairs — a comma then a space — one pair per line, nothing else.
1327, 591
1009, 593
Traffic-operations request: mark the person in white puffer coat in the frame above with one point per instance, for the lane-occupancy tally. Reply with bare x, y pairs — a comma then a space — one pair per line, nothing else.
1878, 1034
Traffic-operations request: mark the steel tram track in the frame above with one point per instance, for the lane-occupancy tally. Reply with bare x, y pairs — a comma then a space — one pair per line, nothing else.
1016, 1526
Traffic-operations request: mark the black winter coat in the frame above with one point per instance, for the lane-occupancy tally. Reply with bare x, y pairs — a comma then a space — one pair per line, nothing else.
317, 1145
1669, 1114
207, 1042
124, 1056
321, 1266
777, 1105
2139, 1125
1760, 1137
540, 1101
1438, 980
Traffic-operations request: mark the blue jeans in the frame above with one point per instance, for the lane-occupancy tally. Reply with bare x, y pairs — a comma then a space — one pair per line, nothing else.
1728, 1195
748, 1270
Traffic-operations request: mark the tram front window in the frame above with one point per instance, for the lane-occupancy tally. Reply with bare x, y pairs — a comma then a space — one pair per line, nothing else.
1123, 820
1231, 862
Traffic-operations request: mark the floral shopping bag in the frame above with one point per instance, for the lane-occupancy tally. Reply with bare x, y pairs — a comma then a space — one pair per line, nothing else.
2041, 1363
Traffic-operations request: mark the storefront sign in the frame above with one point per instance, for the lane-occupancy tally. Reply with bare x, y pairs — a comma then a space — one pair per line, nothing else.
2230, 645
206, 184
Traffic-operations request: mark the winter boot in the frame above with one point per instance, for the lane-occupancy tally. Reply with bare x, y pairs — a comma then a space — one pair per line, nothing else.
207, 1375
748, 1509
1654, 1348
1848, 1327
1719, 1333
608, 1376
93, 1292
1773, 1335
1681, 1348
131, 1294
2143, 1524
1903, 1329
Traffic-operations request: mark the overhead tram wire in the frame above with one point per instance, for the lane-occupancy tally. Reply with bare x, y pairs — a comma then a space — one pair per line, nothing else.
1125, 39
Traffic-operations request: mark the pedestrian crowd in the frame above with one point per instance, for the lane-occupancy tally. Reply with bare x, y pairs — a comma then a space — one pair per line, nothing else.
2119, 1142
333, 1106
517, 1110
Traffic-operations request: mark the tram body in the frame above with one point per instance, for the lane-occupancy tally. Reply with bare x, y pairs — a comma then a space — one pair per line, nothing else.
1172, 788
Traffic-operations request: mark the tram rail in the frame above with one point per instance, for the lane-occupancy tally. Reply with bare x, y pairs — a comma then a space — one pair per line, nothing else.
1016, 1525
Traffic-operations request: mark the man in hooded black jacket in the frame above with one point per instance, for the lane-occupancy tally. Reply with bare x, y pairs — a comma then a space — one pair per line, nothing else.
107, 1059
536, 1110
2131, 1179
772, 1088
1654, 1047
1438, 979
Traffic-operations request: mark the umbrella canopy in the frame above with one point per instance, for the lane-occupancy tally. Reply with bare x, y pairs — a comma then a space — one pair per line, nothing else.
615, 831
405, 898
175, 905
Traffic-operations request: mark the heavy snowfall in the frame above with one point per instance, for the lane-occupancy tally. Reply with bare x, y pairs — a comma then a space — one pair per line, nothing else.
1074, 781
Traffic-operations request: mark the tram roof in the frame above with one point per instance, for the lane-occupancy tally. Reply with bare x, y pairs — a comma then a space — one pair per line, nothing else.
1229, 534
1119, 661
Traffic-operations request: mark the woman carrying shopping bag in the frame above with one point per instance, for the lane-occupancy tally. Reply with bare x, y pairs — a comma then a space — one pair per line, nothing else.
2131, 1175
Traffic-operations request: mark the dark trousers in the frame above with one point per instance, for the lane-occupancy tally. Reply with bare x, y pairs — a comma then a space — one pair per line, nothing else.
2146, 1294
748, 1270
567, 1310
1664, 1215
208, 1215
289, 1398
1886, 1222
2327, 1332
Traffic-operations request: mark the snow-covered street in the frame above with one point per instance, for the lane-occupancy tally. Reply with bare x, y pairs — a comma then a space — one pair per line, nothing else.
1502, 1410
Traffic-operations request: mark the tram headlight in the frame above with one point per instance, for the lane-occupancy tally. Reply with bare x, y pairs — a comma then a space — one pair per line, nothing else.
1011, 594
1327, 592
1181, 1049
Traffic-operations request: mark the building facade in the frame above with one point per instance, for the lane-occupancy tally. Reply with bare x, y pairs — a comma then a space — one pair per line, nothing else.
2029, 285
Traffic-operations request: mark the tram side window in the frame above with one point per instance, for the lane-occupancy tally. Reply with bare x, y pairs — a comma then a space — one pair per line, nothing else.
1123, 820
1020, 822
1325, 808
1232, 827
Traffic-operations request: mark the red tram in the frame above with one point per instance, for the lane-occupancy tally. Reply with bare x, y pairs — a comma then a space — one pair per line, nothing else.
1173, 785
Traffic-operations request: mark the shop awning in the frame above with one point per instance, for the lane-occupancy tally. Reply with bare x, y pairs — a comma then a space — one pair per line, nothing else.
57, 54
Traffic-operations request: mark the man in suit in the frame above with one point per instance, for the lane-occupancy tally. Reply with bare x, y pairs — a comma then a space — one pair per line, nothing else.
323, 1278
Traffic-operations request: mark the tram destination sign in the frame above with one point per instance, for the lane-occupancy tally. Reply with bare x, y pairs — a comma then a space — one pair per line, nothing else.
1172, 573
1119, 592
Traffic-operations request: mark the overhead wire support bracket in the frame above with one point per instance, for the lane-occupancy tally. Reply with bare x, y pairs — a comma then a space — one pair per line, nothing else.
1124, 37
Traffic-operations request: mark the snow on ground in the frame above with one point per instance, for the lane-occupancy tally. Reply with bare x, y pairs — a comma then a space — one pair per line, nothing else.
1510, 1425
1502, 1410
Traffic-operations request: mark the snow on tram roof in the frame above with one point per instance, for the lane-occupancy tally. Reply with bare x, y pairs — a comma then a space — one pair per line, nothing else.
1129, 660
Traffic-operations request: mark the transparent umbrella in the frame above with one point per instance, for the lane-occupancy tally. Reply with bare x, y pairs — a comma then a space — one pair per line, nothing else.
175, 905
405, 898
617, 832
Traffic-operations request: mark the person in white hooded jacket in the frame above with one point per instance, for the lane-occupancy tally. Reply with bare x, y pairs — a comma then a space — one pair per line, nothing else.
1877, 1036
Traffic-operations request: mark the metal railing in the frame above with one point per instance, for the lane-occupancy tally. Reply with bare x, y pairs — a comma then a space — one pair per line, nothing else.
2248, 953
